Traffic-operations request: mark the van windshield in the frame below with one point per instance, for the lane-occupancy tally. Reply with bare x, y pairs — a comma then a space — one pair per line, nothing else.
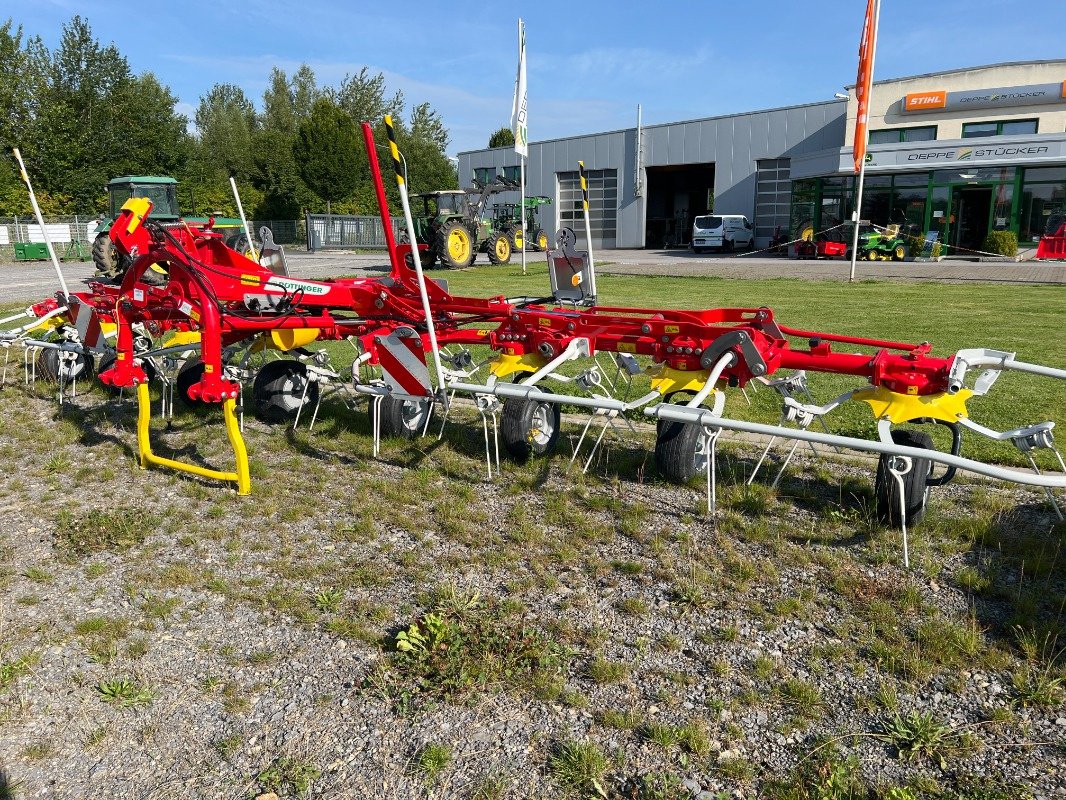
708, 223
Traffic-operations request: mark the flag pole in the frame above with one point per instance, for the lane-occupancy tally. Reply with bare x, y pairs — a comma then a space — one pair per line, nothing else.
44, 228
522, 209
521, 132
865, 113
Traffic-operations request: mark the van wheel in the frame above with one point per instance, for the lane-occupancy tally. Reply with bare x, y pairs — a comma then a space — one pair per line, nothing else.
727, 246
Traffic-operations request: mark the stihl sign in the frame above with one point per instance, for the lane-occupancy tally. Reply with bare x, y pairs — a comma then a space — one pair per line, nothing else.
1011, 96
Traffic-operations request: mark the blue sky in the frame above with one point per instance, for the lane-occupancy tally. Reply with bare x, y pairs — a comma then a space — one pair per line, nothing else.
590, 63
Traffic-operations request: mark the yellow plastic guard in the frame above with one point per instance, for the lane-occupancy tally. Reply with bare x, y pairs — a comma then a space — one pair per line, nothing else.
184, 337
900, 408
504, 365
665, 380
138, 208
144, 445
288, 338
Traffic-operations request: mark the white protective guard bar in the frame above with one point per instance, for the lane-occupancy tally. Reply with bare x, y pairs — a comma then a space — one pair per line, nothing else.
997, 360
707, 418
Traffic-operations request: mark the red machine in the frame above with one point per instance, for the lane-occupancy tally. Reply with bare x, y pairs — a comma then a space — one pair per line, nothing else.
189, 282
1052, 246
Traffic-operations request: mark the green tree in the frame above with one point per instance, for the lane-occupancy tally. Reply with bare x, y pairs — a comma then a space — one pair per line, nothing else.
363, 96
327, 153
504, 137
226, 121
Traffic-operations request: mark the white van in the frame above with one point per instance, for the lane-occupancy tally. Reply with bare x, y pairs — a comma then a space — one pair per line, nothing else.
727, 232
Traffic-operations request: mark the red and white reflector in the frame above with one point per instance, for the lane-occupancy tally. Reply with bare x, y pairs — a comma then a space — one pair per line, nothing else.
87, 322
403, 363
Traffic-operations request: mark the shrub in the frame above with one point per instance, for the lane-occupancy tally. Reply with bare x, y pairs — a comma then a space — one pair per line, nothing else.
1004, 243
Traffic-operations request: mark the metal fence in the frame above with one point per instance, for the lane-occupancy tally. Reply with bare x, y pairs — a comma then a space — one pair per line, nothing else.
64, 230
346, 232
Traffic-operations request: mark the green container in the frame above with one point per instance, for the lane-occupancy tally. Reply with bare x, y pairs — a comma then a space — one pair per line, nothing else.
31, 251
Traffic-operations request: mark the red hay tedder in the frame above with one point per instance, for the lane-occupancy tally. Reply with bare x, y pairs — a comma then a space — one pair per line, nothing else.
210, 308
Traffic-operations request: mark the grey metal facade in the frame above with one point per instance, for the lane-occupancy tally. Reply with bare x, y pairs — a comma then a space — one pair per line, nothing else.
732, 144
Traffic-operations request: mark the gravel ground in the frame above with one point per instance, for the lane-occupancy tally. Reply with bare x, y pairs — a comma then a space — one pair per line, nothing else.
776, 642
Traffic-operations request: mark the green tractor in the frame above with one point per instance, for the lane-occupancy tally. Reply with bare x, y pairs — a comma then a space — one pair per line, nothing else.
452, 224
881, 245
162, 191
507, 219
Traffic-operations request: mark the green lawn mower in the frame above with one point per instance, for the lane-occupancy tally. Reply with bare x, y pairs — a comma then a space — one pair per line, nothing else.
883, 244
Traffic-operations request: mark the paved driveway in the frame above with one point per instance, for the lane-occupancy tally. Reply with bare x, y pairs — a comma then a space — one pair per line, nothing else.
32, 281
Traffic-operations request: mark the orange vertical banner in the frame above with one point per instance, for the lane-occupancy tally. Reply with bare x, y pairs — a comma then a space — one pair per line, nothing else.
863, 81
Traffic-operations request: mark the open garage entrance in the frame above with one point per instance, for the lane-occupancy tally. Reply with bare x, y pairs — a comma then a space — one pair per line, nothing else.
676, 195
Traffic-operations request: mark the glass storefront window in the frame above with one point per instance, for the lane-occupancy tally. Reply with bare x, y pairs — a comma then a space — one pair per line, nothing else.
1004, 196
941, 198
1046, 174
877, 206
911, 179
908, 209
1018, 127
1039, 203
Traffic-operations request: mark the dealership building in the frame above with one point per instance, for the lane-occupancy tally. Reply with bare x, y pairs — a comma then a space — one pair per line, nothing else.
960, 153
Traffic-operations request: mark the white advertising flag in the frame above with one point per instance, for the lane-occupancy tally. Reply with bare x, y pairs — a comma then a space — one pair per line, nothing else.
518, 109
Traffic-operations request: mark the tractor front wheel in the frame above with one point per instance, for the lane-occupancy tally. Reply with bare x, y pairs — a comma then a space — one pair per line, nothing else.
500, 249
540, 240
529, 428
515, 235
455, 246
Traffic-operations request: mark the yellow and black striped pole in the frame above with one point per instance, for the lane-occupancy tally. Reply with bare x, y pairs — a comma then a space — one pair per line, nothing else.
401, 183
588, 228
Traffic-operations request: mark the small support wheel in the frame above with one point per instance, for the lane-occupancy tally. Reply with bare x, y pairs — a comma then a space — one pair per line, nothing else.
915, 482
191, 372
680, 451
529, 427
401, 418
49, 365
281, 388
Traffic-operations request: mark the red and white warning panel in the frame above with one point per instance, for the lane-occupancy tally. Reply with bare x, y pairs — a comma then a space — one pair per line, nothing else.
403, 363
87, 321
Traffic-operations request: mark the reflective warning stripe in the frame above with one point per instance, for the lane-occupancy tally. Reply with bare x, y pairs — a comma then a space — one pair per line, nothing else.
393, 149
403, 363
584, 185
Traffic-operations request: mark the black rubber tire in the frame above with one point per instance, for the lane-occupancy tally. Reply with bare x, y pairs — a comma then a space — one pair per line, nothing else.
401, 418
872, 255
191, 372
107, 361
47, 368
515, 237
499, 249
240, 244
899, 253
109, 264
697, 250
540, 240
915, 488
445, 255
278, 390
727, 246
427, 258
522, 427
675, 450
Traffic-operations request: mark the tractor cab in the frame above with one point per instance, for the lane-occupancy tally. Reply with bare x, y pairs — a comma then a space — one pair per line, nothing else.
161, 191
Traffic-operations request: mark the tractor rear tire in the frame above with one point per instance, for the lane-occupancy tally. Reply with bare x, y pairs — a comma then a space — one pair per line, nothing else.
109, 263
915, 486
47, 367
401, 418
529, 428
279, 392
500, 249
455, 246
241, 245
540, 240
679, 453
